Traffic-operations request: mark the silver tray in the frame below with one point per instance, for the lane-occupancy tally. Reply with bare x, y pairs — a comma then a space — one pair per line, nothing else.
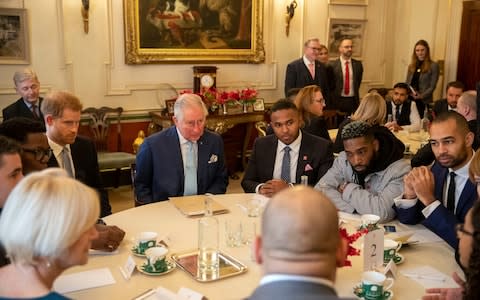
229, 266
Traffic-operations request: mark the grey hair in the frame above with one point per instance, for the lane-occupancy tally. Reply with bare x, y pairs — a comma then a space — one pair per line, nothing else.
188, 100
356, 129
25, 74
469, 98
307, 42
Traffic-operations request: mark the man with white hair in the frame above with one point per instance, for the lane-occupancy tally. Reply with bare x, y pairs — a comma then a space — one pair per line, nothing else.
28, 106
182, 160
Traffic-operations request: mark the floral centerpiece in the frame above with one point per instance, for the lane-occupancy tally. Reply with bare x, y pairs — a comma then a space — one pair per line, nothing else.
350, 239
215, 99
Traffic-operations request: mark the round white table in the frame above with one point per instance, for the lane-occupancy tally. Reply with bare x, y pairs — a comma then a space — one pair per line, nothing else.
164, 218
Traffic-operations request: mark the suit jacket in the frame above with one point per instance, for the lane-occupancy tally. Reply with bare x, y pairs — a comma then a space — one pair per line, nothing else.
440, 106
298, 76
441, 221
405, 110
292, 289
426, 82
160, 166
314, 151
84, 156
357, 68
20, 109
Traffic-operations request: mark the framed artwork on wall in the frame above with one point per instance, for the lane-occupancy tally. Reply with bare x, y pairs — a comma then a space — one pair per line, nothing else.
348, 2
169, 104
170, 31
14, 44
339, 29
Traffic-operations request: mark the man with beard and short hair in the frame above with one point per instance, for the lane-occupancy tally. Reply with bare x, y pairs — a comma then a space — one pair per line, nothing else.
454, 90
368, 174
439, 197
404, 111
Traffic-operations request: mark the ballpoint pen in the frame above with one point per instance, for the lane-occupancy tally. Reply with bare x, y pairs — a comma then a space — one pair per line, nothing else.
145, 294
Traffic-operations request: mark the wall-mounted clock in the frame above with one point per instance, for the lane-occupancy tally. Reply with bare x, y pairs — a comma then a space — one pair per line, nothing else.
204, 77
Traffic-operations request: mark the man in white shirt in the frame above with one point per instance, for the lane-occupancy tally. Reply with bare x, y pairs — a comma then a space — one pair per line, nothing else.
404, 111
298, 250
440, 197
281, 159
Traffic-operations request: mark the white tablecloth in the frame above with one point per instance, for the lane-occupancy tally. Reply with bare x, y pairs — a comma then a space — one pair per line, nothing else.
164, 218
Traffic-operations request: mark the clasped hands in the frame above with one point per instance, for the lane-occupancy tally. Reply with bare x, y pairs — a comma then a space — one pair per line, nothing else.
419, 183
270, 187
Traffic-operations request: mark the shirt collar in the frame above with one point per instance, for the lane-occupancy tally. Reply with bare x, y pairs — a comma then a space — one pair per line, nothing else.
463, 171
294, 146
343, 60
306, 61
181, 139
56, 148
282, 277
29, 104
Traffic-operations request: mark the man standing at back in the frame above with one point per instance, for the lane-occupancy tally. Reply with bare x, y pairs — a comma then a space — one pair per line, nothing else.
348, 74
440, 197
308, 71
28, 106
182, 160
299, 247
280, 160
76, 154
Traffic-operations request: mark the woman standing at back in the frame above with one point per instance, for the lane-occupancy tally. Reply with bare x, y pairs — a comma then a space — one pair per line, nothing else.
422, 75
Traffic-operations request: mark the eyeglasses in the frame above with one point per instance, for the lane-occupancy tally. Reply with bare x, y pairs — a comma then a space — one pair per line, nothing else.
321, 101
40, 153
461, 228
315, 49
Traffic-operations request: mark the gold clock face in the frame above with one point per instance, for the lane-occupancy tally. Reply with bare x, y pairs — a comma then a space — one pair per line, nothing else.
206, 81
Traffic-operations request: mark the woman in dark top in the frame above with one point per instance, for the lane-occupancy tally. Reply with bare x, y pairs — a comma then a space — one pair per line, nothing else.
372, 109
310, 104
422, 75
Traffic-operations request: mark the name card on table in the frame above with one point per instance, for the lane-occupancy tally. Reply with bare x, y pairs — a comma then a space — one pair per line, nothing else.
373, 250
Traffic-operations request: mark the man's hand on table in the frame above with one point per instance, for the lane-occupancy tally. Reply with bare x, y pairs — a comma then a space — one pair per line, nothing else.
109, 238
393, 126
273, 186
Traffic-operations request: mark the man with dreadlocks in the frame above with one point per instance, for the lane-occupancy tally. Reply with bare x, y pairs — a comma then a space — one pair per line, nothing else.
368, 175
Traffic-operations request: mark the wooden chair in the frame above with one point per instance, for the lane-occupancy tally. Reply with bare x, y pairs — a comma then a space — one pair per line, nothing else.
99, 123
261, 127
331, 118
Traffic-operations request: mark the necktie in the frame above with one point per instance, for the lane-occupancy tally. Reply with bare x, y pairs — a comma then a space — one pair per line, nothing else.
346, 87
451, 193
34, 111
190, 186
397, 113
311, 68
285, 175
67, 163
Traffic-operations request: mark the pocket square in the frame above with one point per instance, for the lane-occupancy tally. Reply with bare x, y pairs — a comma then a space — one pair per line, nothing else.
213, 159
308, 167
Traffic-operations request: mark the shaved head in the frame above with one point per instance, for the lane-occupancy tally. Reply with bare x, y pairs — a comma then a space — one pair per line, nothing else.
300, 233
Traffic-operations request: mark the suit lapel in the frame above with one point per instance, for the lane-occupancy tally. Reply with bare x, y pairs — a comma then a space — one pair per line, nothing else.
439, 182
177, 160
303, 158
466, 194
271, 155
202, 162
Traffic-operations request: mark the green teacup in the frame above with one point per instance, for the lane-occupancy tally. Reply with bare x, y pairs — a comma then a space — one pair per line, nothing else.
390, 249
145, 240
373, 285
156, 260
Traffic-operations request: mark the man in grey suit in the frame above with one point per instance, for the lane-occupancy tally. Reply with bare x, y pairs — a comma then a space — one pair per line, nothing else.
298, 250
348, 74
280, 160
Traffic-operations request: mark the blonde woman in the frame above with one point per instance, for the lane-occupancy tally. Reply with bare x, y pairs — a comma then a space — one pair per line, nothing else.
372, 110
47, 226
310, 104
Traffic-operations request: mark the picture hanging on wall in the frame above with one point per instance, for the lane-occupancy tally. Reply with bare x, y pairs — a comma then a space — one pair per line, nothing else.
340, 29
14, 44
166, 31
349, 2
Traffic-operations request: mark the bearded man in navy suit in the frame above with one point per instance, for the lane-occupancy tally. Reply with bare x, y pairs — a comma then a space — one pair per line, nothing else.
182, 160
440, 197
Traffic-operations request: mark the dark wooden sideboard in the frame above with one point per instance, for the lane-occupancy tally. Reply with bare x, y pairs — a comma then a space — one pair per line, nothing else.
236, 130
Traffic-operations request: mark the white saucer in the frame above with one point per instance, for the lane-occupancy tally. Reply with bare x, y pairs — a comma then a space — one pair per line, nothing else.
357, 290
170, 267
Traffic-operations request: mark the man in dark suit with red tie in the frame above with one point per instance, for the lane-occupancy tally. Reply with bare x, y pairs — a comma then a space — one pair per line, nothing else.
348, 74
308, 71
440, 197
28, 106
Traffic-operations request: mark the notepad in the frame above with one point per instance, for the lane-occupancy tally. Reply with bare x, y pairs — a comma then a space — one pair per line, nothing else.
83, 280
194, 206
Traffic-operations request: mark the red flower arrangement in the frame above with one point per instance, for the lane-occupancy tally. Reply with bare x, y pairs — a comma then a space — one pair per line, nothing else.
213, 98
351, 238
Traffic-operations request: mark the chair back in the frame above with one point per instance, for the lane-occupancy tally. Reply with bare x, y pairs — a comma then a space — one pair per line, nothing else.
99, 123
261, 127
331, 118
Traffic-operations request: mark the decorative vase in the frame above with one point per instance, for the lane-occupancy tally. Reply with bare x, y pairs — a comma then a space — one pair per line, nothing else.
224, 109
245, 108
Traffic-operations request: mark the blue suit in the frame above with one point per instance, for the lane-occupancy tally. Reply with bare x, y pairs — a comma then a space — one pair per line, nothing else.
441, 220
160, 166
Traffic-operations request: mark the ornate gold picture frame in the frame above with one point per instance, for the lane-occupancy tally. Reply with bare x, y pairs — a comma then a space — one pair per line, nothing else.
181, 31
14, 43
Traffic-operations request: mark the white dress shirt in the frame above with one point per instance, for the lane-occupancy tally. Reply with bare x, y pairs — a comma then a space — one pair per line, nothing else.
184, 148
415, 121
57, 151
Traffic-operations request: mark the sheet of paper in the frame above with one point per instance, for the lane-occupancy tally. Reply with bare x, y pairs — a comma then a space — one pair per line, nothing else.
425, 236
189, 294
429, 277
83, 280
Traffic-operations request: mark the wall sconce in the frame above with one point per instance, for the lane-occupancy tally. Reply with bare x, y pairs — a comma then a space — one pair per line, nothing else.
289, 15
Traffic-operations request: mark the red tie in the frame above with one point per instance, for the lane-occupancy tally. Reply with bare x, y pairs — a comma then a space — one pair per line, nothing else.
346, 86
311, 69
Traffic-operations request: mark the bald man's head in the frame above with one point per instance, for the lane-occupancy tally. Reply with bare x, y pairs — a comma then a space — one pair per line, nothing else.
299, 226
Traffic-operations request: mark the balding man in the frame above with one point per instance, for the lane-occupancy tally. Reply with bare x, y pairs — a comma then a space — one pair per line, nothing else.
299, 251
182, 160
